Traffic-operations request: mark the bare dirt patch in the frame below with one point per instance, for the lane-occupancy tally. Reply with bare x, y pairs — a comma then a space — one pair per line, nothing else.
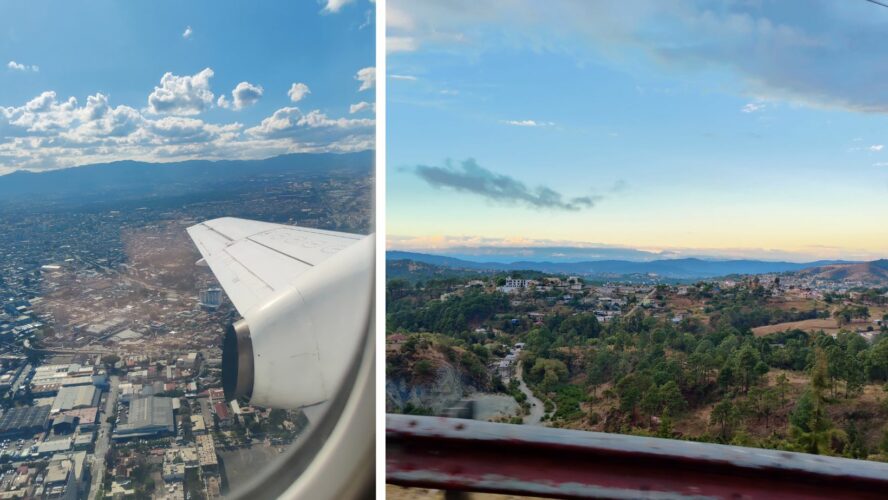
828, 325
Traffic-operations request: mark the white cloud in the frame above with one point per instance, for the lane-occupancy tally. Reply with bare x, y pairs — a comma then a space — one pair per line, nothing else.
315, 128
403, 77
752, 107
187, 33
182, 95
881, 164
298, 91
334, 6
528, 123
22, 67
367, 77
876, 147
361, 106
288, 119
47, 133
246, 94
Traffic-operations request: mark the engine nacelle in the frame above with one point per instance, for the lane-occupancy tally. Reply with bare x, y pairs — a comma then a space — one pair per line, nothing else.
294, 350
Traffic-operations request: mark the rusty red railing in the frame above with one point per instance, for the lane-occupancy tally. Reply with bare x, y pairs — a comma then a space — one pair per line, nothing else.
467, 455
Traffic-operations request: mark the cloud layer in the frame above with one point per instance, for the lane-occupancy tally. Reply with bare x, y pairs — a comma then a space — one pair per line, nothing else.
819, 52
469, 177
50, 132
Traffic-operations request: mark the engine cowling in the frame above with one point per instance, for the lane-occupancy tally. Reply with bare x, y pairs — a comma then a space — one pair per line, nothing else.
294, 350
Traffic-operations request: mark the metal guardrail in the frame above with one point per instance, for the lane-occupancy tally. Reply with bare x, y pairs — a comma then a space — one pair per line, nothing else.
466, 455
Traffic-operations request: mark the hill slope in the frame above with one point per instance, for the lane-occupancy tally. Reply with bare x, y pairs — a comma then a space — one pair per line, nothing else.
870, 273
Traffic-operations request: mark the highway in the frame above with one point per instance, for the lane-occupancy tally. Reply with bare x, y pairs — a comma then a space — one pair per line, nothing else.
104, 438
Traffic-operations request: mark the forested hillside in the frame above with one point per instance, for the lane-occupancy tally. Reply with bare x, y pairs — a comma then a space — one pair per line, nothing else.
701, 375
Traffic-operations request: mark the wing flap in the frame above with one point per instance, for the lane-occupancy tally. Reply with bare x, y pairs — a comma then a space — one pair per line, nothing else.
253, 260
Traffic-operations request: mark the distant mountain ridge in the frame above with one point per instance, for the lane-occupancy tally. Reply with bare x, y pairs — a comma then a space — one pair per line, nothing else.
686, 268
124, 177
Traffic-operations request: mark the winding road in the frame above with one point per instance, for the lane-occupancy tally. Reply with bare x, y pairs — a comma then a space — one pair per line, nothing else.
537, 409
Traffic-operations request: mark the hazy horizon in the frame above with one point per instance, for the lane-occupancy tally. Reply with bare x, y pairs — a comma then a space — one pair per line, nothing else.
562, 254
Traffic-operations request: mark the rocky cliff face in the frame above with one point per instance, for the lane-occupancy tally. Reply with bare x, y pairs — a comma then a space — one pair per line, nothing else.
440, 391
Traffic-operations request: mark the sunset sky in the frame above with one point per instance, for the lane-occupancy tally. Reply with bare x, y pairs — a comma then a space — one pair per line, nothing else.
735, 129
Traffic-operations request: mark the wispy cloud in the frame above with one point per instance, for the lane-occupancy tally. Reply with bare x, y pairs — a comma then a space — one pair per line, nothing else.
361, 106
403, 77
395, 44
15, 66
876, 147
469, 177
823, 58
528, 123
753, 107
187, 33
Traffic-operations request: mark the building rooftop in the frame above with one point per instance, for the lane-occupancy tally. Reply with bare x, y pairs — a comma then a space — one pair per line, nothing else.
206, 450
74, 397
57, 472
148, 415
24, 418
55, 446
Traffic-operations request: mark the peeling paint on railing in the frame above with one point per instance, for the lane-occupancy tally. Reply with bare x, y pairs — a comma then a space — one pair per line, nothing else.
468, 455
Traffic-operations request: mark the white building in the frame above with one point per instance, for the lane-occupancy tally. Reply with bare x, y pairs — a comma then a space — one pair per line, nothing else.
515, 285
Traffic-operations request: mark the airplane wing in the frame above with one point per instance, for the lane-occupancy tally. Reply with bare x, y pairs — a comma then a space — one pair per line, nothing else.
253, 260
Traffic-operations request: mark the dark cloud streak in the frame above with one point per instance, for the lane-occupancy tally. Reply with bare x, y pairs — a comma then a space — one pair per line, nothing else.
469, 177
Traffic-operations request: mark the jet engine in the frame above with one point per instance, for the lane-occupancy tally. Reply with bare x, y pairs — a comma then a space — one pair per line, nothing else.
294, 349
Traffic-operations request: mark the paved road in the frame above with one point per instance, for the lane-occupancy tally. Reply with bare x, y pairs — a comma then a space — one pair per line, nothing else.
536, 406
103, 441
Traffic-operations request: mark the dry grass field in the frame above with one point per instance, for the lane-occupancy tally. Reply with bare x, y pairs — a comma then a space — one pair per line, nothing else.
809, 325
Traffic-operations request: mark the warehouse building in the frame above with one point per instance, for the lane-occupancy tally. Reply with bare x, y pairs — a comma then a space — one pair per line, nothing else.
75, 397
149, 416
24, 420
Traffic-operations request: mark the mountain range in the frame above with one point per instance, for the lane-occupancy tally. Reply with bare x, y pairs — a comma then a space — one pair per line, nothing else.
134, 178
678, 269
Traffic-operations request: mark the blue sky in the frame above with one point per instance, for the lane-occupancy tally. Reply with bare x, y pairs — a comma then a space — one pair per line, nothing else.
738, 128
231, 68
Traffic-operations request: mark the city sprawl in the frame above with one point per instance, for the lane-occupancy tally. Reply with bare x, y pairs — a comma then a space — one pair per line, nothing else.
110, 335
